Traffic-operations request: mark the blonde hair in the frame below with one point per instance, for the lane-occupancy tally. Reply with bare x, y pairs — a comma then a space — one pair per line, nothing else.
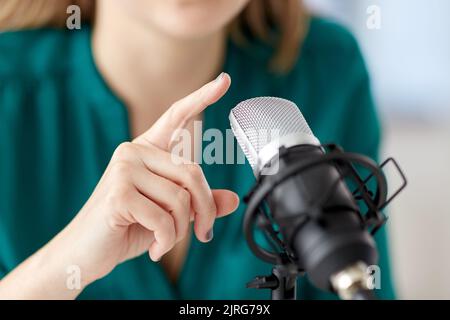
279, 23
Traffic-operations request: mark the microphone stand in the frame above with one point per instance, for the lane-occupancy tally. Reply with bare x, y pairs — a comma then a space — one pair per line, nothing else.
282, 282
349, 284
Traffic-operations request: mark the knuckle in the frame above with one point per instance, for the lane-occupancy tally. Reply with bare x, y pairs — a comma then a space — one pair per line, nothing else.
202, 97
124, 150
183, 198
165, 222
173, 114
121, 168
120, 196
167, 225
194, 172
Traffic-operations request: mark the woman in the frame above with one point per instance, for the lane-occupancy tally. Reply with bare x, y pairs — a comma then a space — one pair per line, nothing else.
70, 101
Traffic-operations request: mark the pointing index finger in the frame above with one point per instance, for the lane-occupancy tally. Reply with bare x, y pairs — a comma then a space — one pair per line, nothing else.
182, 111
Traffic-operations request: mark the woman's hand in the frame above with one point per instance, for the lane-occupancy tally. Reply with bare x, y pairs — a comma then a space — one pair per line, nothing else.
146, 197
144, 201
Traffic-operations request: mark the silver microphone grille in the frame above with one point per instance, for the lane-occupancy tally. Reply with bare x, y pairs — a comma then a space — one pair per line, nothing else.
262, 116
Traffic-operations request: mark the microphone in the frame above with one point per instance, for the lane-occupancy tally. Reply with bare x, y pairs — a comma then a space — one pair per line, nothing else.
303, 203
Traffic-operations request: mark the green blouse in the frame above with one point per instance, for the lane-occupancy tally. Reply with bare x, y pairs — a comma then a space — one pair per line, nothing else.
60, 123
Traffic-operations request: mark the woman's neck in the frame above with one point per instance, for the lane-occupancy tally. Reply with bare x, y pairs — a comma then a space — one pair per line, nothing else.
150, 70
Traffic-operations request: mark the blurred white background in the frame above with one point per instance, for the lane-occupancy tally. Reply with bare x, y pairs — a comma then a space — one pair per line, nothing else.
409, 60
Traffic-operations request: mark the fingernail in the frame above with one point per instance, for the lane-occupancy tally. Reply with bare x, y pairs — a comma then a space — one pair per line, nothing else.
220, 76
210, 235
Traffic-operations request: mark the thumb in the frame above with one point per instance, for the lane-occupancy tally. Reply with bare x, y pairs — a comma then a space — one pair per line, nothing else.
226, 202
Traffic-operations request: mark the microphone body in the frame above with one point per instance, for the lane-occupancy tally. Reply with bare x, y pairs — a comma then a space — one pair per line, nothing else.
330, 240
319, 220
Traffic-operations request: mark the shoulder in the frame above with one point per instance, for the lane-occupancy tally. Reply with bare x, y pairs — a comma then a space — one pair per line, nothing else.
33, 54
333, 50
330, 59
325, 35
331, 78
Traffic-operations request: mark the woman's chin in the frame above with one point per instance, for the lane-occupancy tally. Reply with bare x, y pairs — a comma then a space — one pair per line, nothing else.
197, 18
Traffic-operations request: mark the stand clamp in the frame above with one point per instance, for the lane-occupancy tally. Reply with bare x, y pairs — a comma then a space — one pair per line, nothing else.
282, 282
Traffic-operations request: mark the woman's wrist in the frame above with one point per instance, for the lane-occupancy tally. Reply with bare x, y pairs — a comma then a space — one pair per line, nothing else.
58, 275
55, 272
40, 277
68, 256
